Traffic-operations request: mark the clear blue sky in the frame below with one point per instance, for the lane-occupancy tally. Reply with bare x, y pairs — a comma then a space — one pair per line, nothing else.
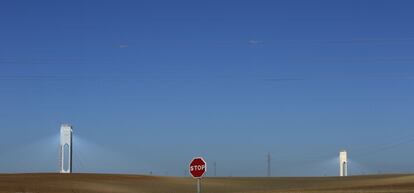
153, 83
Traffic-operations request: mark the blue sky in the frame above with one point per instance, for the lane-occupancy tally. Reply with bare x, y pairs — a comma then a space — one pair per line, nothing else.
147, 85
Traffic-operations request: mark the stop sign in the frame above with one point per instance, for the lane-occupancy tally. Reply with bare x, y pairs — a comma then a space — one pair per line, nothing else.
198, 167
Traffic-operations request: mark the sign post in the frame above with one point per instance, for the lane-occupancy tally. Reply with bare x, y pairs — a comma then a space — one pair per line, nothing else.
198, 185
197, 169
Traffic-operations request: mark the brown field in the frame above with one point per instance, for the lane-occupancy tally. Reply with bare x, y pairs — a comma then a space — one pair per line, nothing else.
112, 183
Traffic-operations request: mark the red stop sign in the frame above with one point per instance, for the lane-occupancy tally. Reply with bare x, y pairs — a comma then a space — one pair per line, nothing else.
198, 167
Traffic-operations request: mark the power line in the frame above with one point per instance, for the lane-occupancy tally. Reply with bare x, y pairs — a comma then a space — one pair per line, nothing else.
385, 147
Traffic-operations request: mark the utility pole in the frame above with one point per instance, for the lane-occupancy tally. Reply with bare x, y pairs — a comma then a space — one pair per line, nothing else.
215, 169
269, 169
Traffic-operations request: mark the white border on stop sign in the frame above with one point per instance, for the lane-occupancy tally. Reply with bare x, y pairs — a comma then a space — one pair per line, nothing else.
189, 167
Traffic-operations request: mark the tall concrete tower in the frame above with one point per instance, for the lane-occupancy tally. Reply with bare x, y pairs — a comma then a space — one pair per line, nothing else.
66, 148
343, 163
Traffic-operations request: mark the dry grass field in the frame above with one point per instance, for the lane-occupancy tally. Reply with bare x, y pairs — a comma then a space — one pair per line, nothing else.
112, 183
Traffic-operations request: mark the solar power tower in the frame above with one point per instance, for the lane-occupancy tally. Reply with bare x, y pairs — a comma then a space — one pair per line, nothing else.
343, 163
65, 148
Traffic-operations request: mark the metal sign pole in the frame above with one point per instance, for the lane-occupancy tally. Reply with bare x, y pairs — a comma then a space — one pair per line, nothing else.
198, 185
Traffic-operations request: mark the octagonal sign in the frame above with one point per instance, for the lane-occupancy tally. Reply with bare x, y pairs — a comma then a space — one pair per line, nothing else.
198, 167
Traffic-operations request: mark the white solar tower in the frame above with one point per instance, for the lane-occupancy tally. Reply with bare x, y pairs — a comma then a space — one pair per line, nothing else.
343, 163
66, 148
